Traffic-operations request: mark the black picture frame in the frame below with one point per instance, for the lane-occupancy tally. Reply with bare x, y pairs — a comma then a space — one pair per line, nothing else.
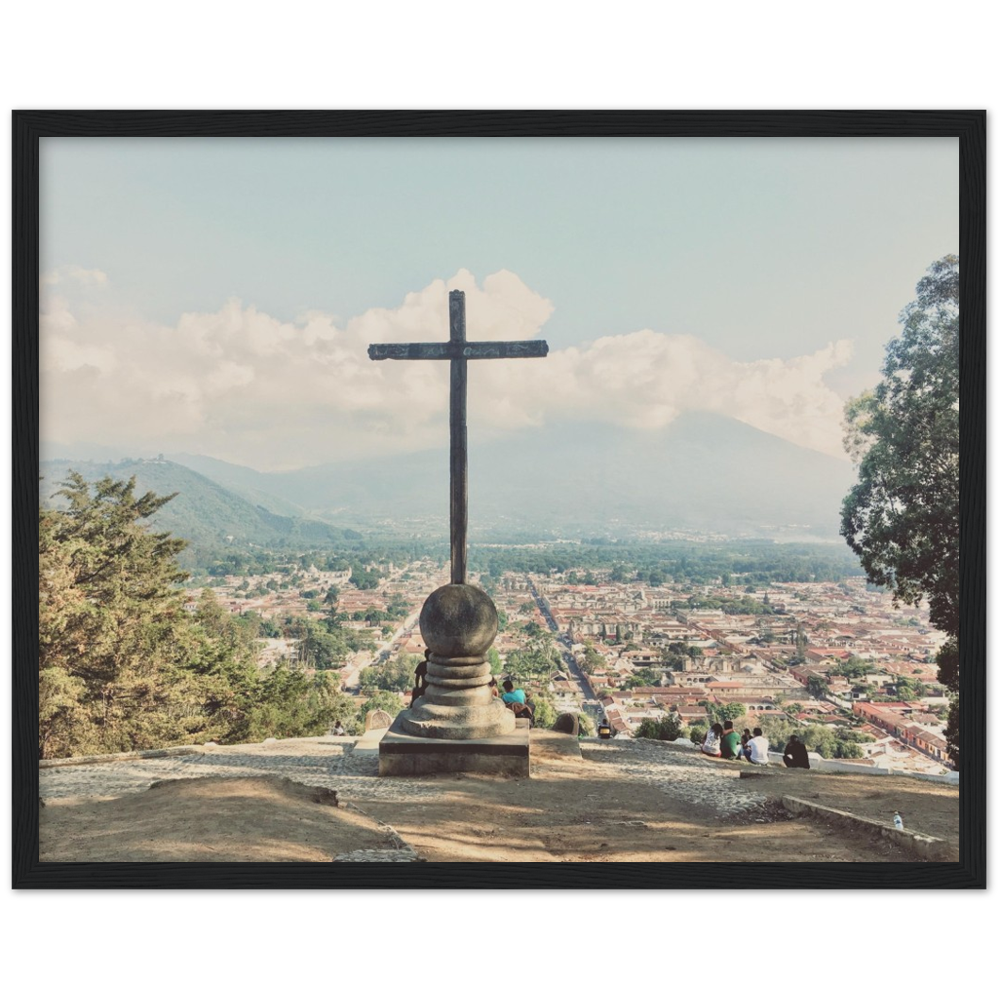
969, 127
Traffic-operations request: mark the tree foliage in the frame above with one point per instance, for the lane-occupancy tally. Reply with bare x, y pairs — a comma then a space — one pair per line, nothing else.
393, 675
725, 713
387, 701
902, 517
840, 743
667, 728
538, 659
122, 664
545, 711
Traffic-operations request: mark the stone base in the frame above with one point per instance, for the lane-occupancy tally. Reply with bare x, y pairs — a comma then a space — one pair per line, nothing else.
403, 755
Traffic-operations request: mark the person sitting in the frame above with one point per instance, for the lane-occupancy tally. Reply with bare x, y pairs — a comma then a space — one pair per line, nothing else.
511, 694
529, 707
795, 754
713, 741
730, 745
420, 685
757, 748
494, 689
338, 728
744, 740
604, 730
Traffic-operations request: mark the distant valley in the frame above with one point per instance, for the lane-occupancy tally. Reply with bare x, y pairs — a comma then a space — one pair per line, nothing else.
701, 475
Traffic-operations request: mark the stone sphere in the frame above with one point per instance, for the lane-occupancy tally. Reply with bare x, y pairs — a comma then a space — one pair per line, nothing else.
459, 620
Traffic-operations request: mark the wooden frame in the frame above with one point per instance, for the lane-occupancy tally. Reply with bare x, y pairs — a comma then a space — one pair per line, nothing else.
969, 127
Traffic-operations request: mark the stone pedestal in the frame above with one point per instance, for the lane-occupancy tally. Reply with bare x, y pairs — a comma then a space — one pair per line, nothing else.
453, 726
402, 755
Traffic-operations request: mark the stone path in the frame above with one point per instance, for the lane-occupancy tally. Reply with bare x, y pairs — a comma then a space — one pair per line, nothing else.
335, 764
316, 761
687, 776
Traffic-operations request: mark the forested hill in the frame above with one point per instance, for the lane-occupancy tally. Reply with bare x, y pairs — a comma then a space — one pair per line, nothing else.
208, 515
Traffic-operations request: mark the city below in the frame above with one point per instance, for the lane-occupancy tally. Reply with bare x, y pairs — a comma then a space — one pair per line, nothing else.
813, 658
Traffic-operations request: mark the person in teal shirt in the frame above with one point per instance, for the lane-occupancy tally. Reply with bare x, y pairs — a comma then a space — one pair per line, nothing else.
511, 694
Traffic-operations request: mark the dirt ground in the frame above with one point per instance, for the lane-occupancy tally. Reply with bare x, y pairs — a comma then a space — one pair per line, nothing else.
571, 809
208, 819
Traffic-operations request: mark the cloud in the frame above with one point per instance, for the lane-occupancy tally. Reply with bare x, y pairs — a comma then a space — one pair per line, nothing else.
246, 387
646, 379
73, 273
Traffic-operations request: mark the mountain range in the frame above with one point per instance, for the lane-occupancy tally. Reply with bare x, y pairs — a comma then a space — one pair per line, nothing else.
701, 474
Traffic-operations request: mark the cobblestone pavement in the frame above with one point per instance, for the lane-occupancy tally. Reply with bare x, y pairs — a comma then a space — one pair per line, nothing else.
685, 776
326, 764
332, 763
392, 854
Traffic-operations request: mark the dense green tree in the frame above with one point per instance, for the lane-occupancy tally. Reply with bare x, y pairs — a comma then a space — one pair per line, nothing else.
393, 675
855, 666
731, 712
388, 701
366, 578
644, 677
537, 659
801, 643
902, 518
319, 647
592, 660
113, 635
817, 686
123, 665
545, 711
288, 703
667, 728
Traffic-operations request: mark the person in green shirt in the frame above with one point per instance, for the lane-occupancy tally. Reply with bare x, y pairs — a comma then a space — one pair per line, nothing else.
730, 741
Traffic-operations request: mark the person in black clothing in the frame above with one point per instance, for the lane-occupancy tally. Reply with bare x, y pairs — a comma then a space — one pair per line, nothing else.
795, 753
529, 707
420, 685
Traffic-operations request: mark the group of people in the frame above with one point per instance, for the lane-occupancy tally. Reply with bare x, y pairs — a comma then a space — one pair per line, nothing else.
723, 741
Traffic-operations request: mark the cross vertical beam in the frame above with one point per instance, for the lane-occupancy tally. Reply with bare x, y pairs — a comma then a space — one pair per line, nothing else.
459, 440
459, 352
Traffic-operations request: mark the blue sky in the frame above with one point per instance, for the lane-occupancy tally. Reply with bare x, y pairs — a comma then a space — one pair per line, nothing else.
734, 256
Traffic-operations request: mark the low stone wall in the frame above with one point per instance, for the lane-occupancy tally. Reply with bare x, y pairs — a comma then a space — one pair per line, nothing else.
838, 766
848, 767
925, 847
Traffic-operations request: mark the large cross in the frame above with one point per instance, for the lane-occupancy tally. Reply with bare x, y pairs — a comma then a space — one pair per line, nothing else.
458, 351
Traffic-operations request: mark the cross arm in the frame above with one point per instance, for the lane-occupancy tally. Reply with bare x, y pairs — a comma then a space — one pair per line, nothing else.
454, 351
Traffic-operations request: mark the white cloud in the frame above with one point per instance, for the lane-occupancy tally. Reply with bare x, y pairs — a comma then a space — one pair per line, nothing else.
74, 273
243, 386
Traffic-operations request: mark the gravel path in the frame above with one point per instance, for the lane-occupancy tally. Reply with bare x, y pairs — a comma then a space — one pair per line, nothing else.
334, 764
683, 775
326, 764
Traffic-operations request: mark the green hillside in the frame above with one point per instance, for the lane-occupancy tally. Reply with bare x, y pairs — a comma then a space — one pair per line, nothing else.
211, 517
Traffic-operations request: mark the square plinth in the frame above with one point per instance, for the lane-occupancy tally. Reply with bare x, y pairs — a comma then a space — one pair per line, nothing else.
403, 755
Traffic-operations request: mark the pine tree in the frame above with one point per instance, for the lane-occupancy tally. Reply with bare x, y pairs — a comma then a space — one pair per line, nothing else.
122, 665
